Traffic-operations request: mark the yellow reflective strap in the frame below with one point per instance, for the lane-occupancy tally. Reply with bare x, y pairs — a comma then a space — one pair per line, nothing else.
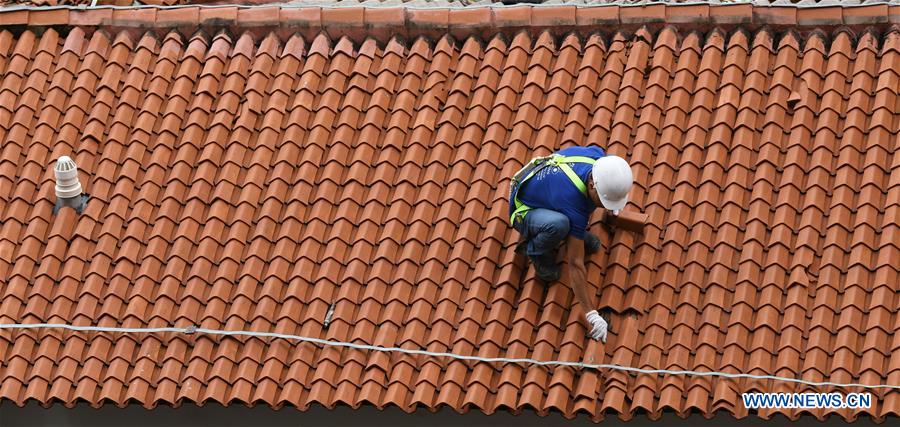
563, 161
520, 211
521, 208
576, 159
573, 177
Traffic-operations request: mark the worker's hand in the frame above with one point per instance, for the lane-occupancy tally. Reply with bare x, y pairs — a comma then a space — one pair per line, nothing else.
598, 325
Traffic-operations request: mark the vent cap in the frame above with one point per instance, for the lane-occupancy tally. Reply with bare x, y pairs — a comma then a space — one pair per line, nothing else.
67, 184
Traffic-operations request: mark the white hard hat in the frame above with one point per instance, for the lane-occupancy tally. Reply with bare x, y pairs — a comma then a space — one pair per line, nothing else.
612, 180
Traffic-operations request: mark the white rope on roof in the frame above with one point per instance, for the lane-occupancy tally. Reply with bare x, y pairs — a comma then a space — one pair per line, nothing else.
191, 330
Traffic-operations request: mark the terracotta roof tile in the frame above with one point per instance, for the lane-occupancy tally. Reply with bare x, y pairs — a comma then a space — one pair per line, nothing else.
241, 180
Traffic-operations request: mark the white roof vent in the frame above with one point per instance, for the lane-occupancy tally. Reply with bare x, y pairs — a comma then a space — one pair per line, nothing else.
68, 189
67, 185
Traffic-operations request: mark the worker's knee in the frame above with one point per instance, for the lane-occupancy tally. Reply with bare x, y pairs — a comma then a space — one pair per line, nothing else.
556, 227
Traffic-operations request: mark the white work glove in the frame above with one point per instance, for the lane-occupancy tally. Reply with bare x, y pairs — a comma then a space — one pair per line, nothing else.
598, 326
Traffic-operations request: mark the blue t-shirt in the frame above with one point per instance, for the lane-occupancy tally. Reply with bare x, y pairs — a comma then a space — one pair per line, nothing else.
552, 189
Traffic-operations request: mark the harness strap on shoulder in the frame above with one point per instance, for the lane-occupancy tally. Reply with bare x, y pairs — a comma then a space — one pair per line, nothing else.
563, 162
576, 159
574, 178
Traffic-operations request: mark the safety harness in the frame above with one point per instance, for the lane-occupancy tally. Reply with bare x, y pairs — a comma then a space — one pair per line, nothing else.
536, 165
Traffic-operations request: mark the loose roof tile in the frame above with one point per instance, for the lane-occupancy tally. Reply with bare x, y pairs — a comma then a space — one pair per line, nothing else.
249, 180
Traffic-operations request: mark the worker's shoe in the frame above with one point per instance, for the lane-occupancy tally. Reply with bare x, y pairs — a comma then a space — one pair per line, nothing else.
591, 244
545, 267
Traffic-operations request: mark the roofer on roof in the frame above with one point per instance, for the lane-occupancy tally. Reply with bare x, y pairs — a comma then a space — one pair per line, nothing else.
551, 200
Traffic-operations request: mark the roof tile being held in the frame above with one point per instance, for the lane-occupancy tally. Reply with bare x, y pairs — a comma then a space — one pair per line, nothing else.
261, 183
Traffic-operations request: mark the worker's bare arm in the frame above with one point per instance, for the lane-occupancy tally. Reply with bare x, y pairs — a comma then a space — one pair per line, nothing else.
578, 278
578, 272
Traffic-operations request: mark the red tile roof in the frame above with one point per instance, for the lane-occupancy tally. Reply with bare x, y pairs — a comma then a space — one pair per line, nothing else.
252, 181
